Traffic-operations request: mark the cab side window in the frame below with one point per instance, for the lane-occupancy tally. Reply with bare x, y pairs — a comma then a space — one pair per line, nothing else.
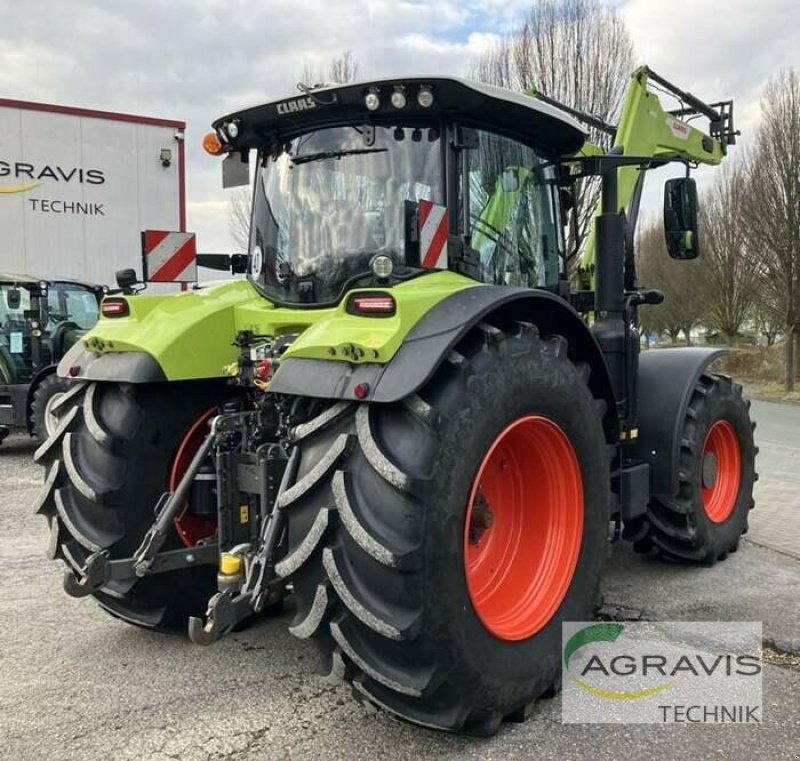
511, 211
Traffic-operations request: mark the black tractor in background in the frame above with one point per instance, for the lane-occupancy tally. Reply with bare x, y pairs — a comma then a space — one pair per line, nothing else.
40, 320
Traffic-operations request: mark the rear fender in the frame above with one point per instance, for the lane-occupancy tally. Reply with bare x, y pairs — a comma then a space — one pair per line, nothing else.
435, 335
666, 380
117, 367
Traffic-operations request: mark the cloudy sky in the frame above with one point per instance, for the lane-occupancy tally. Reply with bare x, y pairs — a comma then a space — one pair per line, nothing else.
198, 59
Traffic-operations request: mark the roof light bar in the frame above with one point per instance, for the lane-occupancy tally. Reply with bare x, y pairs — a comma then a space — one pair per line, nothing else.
398, 98
372, 99
425, 96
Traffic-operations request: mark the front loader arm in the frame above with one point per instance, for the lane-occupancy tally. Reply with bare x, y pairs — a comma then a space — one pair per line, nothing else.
647, 130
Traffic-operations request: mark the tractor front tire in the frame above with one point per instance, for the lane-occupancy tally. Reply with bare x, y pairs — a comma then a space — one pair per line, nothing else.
45, 398
716, 472
436, 544
107, 463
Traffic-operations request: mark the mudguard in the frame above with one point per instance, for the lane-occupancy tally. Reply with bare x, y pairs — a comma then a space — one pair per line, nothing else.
119, 367
429, 342
666, 380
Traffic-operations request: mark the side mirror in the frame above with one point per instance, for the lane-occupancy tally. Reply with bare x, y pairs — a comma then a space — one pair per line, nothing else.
126, 279
13, 298
238, 264
680, 218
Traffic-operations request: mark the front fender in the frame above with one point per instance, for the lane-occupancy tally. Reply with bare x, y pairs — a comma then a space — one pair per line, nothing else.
666, 380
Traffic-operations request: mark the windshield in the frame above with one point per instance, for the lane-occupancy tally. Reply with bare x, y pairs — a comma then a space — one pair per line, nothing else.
332, 200
15, 365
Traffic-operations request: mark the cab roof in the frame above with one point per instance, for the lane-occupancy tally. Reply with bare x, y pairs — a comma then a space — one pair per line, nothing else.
9, 278
472, 103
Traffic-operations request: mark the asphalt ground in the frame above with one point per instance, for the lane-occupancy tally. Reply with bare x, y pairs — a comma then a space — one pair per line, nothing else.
77, 684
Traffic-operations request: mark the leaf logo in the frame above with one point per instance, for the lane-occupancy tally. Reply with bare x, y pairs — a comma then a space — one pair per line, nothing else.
20, 188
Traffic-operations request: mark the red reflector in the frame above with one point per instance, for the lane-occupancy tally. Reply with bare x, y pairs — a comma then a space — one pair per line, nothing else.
360, 390
73, 371
115, 308
373, 304
263, 369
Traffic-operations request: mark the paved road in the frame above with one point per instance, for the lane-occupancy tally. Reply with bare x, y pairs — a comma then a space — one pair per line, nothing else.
76, 684
776, 521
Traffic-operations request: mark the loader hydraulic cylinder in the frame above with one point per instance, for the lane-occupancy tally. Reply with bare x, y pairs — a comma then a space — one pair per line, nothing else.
611, 326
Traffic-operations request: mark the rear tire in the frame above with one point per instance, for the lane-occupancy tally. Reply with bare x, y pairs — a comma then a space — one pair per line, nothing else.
716, 471
106, 465
376, 527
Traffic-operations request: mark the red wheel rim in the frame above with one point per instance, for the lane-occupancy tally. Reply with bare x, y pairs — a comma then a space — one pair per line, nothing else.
191, 529
519, 561
720, 489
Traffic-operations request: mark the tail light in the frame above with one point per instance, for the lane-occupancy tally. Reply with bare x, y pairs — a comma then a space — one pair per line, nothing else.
113, 307
372, 305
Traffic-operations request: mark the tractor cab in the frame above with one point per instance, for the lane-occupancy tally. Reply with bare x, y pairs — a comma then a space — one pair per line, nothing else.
401, 177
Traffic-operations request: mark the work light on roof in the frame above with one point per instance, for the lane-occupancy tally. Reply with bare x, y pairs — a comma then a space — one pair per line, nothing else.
398, 98
425, 96
372, 100
232, 128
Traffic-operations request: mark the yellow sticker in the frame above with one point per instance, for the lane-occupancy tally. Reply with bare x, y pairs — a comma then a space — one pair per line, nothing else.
244, 513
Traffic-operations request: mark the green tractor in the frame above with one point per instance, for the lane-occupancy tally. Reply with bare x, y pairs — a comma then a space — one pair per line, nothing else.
404, 417
40, 320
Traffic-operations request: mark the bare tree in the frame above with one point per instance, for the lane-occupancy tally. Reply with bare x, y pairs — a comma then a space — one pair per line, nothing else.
768, 322
312, 75
341, 70
239, 219
649, 255
683, 306
578, 52
344, 68
773, 210
728, 280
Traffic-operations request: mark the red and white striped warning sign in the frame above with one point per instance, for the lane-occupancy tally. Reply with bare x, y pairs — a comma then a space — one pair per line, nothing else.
433, 235
169, 257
